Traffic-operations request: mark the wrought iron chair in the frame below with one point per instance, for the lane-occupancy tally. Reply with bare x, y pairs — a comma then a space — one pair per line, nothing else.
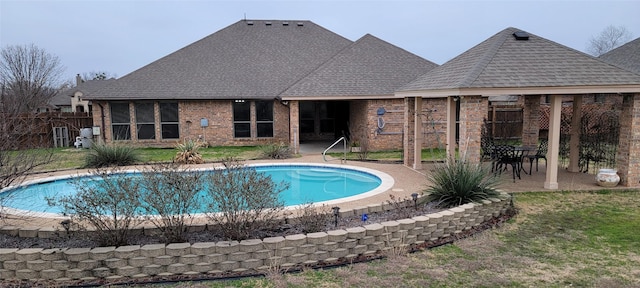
507, 155
541, 153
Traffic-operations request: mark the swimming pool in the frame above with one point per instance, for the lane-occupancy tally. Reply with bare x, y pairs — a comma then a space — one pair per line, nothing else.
308, 183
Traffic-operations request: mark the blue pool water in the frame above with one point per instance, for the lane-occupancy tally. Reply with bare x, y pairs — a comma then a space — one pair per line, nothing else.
308, 184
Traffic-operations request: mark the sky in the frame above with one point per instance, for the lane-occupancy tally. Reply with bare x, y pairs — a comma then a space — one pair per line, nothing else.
120, 36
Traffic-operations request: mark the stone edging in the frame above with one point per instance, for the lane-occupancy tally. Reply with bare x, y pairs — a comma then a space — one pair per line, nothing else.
246, 256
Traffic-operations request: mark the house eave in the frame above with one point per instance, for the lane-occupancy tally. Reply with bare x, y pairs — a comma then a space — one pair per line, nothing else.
564, 90
337, 98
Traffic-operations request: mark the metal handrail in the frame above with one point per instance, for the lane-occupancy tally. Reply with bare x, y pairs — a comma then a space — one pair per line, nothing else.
344, 160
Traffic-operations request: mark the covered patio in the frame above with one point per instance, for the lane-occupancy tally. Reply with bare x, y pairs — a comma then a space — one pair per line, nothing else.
515, 62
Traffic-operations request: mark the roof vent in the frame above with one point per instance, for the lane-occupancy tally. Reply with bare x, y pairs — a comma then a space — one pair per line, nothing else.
285, 23
300, 24
250, 23
521, 35
268, 23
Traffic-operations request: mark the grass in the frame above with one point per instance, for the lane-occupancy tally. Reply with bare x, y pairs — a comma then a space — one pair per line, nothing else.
72, 158
395, 155
559, 239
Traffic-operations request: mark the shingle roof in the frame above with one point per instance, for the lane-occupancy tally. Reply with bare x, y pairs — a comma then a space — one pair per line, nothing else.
89, 86
248, 59
60, 99
626, 56
369, 66
501, 61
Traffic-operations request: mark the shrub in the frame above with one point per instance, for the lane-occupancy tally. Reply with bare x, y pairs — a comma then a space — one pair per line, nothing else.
276, 151
101, 155
314, 219
243, 199
170, 194
455, 183
107, 203
189, 152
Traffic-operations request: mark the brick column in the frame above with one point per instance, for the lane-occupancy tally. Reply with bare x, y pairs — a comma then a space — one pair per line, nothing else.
473, 109
531, 120
451, 127
628, 156
409, 131
574, 142
294, 123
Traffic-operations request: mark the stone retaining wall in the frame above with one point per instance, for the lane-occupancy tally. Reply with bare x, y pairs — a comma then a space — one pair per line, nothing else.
254, 255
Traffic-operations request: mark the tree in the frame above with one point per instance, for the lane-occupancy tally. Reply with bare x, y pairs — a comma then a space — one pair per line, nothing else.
29, 76
97, 75
610, 38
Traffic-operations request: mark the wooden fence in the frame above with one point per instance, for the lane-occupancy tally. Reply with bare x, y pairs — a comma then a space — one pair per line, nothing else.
37, 130
505, 122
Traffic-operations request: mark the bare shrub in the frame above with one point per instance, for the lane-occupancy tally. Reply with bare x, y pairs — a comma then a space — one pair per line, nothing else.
276, 151
243, 199
169, 197
106, 202
313, 219
402, 206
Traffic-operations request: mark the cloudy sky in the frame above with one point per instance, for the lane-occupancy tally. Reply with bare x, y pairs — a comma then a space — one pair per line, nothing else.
119, 36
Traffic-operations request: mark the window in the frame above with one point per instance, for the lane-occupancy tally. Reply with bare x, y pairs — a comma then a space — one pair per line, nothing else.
599, 98
169, 120
264, 118
145, 120
120, 121
241, 119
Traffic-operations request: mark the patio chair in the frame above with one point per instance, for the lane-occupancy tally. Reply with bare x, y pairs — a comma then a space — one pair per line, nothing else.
507, 155
487, 147
541, 153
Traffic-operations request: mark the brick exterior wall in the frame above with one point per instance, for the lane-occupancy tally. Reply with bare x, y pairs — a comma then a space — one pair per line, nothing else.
473, 109
246, 256
219, 131
629, 146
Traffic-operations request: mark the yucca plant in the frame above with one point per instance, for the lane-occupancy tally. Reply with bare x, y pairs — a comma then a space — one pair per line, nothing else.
276, 151
102, 155
189, 152
458, 182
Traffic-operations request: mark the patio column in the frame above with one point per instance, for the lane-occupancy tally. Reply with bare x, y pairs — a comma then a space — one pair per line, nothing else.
473, 110
451, 127
294, 122
574, 142
409, 131
628, 156
531, 120
551, 181
417, 134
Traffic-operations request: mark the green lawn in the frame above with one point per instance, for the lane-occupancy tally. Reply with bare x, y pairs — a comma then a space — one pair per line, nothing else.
559, 239
71, 158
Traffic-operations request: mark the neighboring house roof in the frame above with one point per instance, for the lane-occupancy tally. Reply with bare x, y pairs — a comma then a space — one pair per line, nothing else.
369, 66
626, 56
61, 99
89, 86
255, 59
504, 65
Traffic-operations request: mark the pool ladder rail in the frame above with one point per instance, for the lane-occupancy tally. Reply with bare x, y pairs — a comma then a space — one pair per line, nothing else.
344, 141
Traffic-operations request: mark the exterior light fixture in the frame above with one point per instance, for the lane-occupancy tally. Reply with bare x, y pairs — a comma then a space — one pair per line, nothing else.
414, 196
336, 213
